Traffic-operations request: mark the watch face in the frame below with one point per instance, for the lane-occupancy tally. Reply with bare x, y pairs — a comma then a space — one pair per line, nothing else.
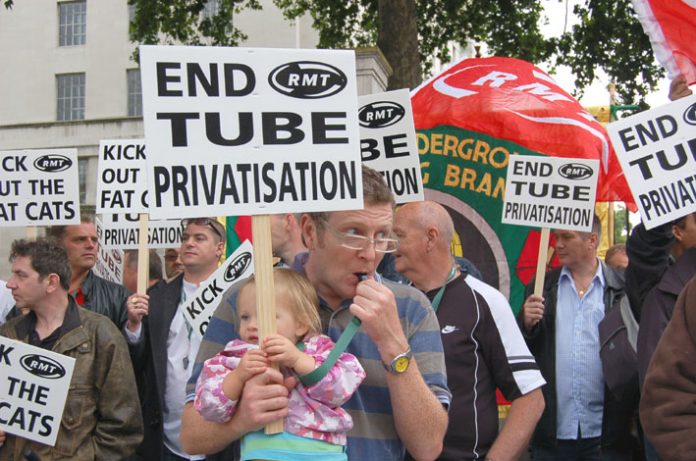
401, 364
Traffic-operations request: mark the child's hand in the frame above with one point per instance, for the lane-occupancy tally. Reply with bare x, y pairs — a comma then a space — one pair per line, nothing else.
281, 350
252, 363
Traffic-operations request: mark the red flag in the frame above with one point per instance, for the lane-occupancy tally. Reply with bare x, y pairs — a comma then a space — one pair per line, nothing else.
469, 120
513, 100
671, 26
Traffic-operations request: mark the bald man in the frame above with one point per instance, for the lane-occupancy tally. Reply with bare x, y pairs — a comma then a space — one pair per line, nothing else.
484, 348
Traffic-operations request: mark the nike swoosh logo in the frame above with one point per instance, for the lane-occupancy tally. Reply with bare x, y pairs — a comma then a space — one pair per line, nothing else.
448, 329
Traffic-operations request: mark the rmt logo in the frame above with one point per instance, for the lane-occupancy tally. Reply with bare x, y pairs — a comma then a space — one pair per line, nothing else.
307, 80
237, 267
380, 114
41, 366
575, 171
690, 114
52, 163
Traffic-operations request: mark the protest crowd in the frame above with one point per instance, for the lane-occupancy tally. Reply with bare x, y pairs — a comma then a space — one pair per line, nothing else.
369, 338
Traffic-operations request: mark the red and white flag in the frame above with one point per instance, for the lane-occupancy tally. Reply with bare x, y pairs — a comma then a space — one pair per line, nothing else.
671, 26
516, 101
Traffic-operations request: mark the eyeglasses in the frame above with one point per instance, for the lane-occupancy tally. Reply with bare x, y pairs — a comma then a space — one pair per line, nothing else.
212, 223
360, 242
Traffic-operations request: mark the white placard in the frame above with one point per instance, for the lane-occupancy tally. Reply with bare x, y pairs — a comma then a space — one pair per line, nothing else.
388, 142
551, 192
34, 385
122, 177
657, 151
110, 262
123, 232
238, 266
39, 187
254, 130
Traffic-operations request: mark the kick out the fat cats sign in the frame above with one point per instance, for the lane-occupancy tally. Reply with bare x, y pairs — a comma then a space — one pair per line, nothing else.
39, 187
34, 385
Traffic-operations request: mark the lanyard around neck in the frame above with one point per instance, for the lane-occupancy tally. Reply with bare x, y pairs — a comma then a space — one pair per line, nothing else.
438, 297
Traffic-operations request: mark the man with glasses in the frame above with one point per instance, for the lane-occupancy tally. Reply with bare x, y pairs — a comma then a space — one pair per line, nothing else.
484, 348
162, 342
401, 404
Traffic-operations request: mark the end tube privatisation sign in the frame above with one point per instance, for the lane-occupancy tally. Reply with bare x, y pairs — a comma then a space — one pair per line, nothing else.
254, 130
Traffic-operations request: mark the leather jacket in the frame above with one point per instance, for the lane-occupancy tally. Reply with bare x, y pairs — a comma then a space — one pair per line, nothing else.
106, 298
101, 420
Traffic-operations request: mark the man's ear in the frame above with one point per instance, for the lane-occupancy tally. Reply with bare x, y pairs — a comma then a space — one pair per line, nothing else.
53, 282
288, 218
594, 239
309, 232
431, 234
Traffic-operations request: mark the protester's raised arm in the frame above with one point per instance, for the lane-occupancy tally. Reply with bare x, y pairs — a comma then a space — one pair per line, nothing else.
419, 416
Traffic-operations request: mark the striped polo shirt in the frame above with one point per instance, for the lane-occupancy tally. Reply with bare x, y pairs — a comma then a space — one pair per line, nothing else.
373, 436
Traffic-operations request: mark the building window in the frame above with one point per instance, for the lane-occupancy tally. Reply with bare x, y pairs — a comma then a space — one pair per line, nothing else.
70, 90
135, 96
210, 9
72, 23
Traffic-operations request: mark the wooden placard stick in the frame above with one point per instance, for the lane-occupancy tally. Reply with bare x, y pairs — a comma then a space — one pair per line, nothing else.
143, 253
541, 261
265, 288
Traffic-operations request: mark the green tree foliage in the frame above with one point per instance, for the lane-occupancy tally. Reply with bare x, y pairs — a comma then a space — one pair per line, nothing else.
608, 36
622, 226
182, 21
508, 27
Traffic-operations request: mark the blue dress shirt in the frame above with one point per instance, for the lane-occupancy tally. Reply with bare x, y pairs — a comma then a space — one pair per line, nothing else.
579, 377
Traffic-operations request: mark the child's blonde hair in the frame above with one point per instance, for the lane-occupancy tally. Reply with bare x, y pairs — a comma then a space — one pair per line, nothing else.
302, 299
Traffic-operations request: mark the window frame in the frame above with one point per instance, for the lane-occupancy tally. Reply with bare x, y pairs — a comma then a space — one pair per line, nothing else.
70, 106
72, 23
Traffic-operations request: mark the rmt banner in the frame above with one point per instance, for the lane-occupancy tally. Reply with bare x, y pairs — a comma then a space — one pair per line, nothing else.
254, 130
237, 267
552, 192
657, 151
121, 177
34, 385
388, 142
123, 232
39, 187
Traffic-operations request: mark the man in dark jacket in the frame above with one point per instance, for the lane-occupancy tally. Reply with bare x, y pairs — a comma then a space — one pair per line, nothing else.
162, 343
663, 260
656, 310
668, 404
101, 420
89, 290
582, 419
